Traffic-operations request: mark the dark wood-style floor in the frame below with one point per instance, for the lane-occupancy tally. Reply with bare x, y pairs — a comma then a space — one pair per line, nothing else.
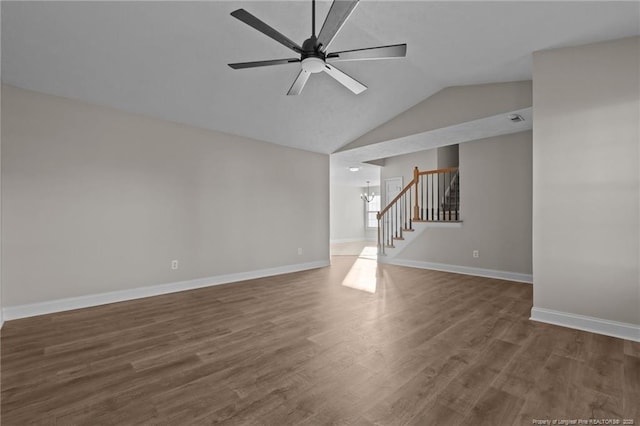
427, 348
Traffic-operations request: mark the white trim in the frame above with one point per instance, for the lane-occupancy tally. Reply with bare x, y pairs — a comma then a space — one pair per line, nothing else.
41, 308
346, 240
441, 224
621, 330
456, 269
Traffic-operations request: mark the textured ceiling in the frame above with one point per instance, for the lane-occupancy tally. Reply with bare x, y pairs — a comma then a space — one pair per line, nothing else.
340, 173
168, 59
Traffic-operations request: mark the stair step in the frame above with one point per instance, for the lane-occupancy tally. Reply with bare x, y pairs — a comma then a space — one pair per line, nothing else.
388, 246
407, 230
398, 238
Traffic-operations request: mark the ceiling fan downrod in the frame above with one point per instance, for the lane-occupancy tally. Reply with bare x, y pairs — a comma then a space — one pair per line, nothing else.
313, 18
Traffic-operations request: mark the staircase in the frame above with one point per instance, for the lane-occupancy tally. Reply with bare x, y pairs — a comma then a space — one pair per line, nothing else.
431, 197
451, 200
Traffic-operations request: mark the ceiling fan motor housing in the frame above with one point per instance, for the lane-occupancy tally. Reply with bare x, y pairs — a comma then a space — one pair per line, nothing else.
313, 59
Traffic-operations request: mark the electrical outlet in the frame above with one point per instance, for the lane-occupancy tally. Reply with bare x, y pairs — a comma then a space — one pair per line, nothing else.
476, 253
299, 250
174, 264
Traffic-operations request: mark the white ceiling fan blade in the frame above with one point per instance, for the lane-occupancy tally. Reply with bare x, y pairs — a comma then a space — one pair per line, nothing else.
298, 85
348, 82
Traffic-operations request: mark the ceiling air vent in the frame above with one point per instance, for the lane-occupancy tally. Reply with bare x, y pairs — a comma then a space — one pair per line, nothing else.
516, 118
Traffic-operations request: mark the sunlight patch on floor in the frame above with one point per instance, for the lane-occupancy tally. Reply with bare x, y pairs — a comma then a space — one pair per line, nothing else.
363, 273
370, 252
353, 248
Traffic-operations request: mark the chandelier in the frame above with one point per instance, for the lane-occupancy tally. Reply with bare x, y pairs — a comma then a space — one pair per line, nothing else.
368, 197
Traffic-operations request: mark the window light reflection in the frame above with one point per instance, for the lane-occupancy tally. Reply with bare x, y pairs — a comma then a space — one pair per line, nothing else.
362, 275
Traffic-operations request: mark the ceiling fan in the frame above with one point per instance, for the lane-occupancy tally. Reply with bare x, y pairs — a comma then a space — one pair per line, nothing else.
313, 53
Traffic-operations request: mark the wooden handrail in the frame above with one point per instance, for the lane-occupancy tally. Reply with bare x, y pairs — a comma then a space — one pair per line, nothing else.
431, 172
400, 220
397, 197
416, 173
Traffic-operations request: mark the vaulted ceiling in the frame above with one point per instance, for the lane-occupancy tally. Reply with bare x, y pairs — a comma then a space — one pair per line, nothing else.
169, 59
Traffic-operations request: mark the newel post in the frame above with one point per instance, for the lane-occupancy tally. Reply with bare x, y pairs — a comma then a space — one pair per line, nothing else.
416, 208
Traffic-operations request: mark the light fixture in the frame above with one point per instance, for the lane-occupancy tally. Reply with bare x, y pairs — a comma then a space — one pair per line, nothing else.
313, 65
354, 169
368, 197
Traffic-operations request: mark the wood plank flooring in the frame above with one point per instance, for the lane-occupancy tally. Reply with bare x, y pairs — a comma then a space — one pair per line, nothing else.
426, 348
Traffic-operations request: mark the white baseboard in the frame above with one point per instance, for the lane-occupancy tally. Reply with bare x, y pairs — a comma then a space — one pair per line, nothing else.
622, 330
66, 304
466, 270
346, 240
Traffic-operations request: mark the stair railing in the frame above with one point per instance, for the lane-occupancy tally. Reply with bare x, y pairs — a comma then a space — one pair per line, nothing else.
450, 187
450, 199
433, 195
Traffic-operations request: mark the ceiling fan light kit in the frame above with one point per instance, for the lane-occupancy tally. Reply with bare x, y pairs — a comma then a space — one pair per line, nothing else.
313, 52
313, 65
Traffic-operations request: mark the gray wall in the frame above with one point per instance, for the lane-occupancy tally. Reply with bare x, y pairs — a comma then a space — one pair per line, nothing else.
450, 106
347, 213
97, 200
586, 202
448, 156
402, 166
495, 192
